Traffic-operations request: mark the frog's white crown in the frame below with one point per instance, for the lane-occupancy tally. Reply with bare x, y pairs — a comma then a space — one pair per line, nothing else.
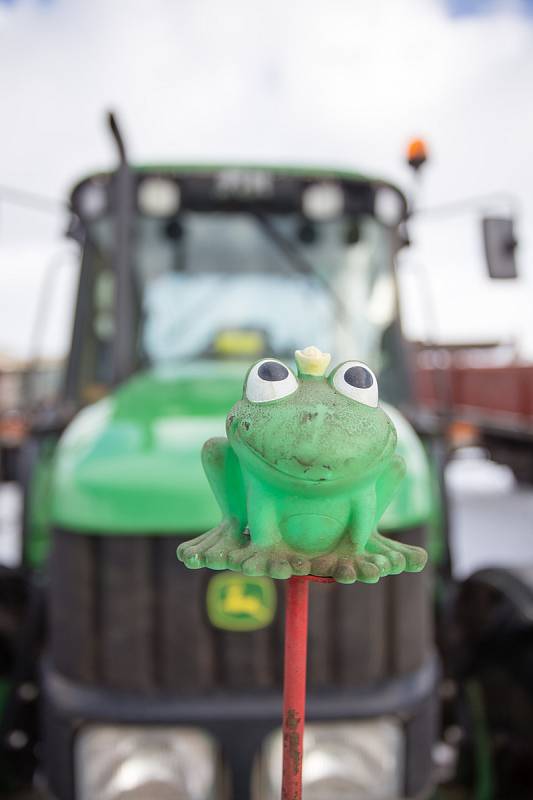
312, 361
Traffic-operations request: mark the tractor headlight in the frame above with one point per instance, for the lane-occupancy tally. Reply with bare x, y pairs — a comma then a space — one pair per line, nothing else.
92, 199
322, 201
137, 762
158, 197
342, 761
388, 206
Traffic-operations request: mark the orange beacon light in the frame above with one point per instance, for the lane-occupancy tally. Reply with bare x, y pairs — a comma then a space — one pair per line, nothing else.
417, 153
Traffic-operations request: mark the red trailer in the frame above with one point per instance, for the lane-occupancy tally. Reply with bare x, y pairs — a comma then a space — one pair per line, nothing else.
485, 395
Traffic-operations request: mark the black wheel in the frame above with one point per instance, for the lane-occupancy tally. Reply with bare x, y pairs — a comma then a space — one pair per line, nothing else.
493, 663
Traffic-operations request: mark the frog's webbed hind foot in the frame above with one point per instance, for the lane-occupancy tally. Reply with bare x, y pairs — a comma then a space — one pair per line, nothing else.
401, 557
212, 549
347, 567
226, 547
381, 557
278, 562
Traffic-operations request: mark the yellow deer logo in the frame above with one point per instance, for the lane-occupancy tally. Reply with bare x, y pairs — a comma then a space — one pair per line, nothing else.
239, 603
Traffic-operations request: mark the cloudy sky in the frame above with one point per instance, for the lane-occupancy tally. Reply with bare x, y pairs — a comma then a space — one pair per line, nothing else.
333, 82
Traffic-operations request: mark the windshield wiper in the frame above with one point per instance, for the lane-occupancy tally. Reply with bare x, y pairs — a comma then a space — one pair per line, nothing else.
300, 264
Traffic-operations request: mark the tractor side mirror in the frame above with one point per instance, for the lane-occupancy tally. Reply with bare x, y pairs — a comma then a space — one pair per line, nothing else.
500, 244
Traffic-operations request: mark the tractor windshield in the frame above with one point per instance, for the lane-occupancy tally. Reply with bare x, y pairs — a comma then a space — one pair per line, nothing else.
216, 284
273, 277
235, 271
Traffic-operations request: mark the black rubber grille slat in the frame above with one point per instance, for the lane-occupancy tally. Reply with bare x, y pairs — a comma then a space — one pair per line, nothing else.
125, 614
320, 646
245, 659
186, 647
72, 605
125, 595
410, 621
360, 640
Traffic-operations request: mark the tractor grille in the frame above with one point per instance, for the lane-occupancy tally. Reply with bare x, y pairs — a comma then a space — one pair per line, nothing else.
125, 614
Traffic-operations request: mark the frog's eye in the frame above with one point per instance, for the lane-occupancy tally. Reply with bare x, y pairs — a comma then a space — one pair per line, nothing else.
269, 380
357, 381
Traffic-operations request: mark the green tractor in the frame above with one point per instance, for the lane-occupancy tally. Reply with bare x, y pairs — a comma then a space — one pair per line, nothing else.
124, 674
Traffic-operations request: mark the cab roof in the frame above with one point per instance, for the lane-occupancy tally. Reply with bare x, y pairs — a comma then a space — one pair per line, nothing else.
244, 187
305, 172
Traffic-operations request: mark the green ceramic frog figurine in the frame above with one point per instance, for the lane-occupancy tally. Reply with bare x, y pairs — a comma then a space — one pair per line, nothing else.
302, 480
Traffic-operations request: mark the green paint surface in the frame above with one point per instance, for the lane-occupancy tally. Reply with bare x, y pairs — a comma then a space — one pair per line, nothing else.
413, 503
131, 463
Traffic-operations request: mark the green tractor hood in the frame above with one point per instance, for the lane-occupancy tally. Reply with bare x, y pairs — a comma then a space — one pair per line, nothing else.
130, 463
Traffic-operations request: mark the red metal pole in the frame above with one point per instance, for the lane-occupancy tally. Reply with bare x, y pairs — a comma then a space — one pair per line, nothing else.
295, 667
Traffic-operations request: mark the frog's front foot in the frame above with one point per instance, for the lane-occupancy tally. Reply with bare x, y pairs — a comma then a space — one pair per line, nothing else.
346, 564
381, 557
212, 549
276, 560
401, 557
226, 547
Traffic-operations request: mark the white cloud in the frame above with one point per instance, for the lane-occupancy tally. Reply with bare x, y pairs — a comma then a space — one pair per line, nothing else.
330, 81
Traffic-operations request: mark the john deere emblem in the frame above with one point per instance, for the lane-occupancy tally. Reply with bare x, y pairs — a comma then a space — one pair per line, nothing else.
240, 603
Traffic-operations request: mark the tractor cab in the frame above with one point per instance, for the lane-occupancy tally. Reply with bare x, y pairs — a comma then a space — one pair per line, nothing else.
229, 264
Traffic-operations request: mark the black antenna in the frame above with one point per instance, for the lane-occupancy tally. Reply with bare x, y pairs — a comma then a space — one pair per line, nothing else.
117, 136
124, 338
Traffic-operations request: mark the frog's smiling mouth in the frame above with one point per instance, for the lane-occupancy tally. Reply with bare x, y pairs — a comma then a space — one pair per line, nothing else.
309, 471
